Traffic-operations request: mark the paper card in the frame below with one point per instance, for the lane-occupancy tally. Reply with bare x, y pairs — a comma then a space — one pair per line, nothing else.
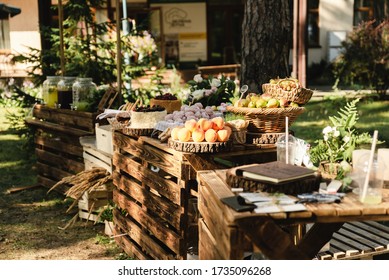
334, 186
264, 207
265, 197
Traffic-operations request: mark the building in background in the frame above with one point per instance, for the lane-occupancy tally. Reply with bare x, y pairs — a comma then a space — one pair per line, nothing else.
191, 33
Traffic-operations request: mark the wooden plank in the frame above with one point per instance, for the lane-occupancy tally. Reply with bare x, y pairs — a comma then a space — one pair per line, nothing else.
125, 243
97, 162
208, 247
336, 253
83, 120
152, 155
58, 145
158, 206
165, 187
54, 127
20, 189
149, 245
370, 233
344, 248
362, 244
378, 226
150, 223
107, 159
56, 174
65, 164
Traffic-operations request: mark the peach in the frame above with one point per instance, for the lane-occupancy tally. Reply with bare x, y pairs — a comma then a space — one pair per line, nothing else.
184, 134
174, 132
198, 135
211, 135
191, 124
218, 123
229, 129
223, 135
204, 124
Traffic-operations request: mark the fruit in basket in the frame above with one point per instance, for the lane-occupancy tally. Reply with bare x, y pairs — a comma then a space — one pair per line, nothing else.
293, 104
211, 135
166, 96
223, 135
266, 96
273, 103
261, 103
218, 123
184, 134
198, 135
174, 132
283, 102
191, 124
241, 103
204, 124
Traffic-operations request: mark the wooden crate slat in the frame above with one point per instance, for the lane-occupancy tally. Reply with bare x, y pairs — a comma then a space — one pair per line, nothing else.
130, 248
152, 155
344, 248
138, 236
53, 127
163, 186
151, 224
58, 145
164, 209
378, 226
374, 235
208, 247
93, 161
99, 155
55, 160
366, 244
84, 120
55, 174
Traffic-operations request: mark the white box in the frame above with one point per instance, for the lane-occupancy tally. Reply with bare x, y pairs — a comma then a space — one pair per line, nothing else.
104, 138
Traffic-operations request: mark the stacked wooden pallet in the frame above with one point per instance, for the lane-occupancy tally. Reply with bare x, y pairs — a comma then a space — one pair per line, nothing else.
57, 147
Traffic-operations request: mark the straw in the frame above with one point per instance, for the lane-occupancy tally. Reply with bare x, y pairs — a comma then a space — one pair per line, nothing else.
369, 166
286, 140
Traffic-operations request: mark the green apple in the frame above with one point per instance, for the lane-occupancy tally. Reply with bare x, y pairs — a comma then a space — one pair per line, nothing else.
251, 104
293, 104
261, 103
241, 103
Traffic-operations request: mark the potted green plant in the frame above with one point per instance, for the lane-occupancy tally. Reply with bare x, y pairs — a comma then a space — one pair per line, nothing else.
106, 216
333, 153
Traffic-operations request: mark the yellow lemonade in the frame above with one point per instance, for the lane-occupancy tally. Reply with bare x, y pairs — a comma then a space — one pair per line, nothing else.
372, 199
52, 97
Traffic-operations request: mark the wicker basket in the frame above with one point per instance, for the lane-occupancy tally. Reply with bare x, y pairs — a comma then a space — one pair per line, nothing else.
266, 120
298, 95
169, 105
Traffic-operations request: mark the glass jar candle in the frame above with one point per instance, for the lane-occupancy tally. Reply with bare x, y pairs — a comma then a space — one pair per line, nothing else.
49, 91
83, 90
65, 92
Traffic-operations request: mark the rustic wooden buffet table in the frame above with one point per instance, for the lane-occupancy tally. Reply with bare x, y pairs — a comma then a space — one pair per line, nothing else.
156, 193
223, 232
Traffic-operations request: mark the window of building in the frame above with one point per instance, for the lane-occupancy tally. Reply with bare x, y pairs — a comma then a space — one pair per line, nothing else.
313, 23
365, 10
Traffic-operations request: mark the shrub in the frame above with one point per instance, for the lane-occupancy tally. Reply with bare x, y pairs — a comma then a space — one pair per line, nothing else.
364, 61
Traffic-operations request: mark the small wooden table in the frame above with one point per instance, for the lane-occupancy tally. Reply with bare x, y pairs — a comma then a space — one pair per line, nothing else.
224, 232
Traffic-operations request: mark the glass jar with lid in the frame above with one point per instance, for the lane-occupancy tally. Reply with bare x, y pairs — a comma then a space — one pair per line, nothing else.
49, 91
83, 90
65, 92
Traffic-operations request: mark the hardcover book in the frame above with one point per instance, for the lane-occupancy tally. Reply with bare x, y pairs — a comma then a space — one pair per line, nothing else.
274, 172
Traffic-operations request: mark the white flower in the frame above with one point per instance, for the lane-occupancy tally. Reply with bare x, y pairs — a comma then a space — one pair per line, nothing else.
215, 83
336, 133
197, 78
198, 94
327, 130
346, 139
325, 137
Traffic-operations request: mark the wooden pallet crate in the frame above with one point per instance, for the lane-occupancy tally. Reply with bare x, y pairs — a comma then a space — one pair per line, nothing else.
57, 147
93, 201
154, 190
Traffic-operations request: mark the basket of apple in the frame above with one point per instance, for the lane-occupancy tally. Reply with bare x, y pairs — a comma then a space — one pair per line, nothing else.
288, 89
265, 113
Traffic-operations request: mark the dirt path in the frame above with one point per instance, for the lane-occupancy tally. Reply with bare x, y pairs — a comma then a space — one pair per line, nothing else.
30, 223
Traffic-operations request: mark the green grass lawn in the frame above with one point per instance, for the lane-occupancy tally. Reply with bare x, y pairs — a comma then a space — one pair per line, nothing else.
16, 158
373, 115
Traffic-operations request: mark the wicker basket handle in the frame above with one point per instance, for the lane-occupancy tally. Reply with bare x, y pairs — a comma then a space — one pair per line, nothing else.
288, 79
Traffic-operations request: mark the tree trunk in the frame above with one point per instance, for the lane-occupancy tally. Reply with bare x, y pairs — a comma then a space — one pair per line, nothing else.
266, 35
